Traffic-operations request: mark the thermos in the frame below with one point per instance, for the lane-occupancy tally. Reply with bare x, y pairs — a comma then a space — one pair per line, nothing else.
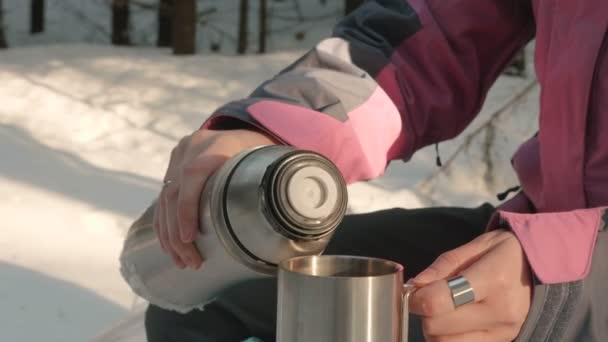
261, 207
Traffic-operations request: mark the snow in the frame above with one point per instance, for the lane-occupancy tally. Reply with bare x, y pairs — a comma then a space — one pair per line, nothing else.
76, 21
85, 135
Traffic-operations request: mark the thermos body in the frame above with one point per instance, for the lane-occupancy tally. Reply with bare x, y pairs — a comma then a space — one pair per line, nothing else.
261, 207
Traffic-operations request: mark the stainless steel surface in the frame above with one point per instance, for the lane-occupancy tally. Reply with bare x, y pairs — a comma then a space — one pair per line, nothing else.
152, 274
254, 224
306, 195
408, 289
214, 218
241, 236
341, 299
462, 292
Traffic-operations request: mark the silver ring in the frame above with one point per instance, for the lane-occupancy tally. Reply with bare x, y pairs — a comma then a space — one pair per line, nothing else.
166, 183
462, 292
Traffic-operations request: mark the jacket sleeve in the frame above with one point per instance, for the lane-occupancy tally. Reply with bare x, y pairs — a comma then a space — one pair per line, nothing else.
559, 246
567, 253
395, 76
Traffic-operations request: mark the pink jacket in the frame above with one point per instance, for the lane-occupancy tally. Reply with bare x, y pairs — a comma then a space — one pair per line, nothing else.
398, 76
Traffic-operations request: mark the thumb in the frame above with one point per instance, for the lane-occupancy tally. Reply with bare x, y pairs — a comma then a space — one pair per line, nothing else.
452, 262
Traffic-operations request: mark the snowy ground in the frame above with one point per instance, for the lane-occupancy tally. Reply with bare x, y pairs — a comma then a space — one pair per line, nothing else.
85, 135
85, 132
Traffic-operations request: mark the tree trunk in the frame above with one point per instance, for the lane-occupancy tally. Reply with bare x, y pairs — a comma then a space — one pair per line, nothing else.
120, 22
3, 44
263, 25
165, 23
184, 27
37, 16
243, 23
351, 5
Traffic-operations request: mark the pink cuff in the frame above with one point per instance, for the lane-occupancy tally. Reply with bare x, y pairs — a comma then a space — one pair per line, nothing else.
518, 204
559, 246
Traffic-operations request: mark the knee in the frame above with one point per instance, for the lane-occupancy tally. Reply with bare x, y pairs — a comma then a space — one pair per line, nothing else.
157, 324
214, 324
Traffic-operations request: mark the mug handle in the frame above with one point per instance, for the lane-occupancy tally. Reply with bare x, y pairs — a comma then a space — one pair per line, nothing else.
408, 289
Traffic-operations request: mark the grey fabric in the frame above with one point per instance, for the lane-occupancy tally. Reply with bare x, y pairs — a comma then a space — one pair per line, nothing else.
551, 309
381, 24
324, 80
335, 89
337, 75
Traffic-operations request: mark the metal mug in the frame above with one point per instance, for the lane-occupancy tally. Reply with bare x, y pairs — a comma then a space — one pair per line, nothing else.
334, 298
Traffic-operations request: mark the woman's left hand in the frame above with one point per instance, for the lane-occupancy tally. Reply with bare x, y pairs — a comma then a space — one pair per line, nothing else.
497, 270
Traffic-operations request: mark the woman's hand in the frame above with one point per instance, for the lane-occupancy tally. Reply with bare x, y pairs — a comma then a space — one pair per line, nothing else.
193, 161
497, 269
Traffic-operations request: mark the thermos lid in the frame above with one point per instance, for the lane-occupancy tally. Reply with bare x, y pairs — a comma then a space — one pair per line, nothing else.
311, 192
275, 202
307, 195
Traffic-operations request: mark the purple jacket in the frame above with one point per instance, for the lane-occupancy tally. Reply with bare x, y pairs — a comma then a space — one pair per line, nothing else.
397, 76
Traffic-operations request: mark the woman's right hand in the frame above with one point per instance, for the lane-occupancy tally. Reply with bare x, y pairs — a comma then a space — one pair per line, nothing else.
193, 161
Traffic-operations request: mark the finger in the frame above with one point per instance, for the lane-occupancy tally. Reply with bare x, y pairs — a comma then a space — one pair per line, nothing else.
432, 300
499, 334
474, 336
436, 298
452, 262
159, 223
160, 219
176, 259
164, 233
193, 179
186, 251
156, 224
165, 236
487, 274
469, 317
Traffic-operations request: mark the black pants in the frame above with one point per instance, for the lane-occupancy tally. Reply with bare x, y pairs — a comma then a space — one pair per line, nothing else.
413, 238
